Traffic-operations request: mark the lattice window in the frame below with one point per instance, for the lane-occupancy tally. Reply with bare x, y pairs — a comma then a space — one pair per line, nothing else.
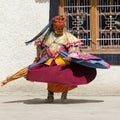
95, 22
78, 19
109, 23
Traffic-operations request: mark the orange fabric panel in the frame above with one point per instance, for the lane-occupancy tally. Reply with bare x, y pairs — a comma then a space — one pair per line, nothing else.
59, 87
19, 74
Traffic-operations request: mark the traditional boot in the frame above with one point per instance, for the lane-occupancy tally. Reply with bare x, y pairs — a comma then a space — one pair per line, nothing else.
50, 97
64, 97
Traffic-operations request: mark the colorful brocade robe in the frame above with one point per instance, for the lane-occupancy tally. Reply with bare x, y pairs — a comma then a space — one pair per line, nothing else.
52, 68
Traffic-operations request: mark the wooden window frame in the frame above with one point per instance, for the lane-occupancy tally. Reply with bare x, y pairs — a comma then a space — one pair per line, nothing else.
94, 29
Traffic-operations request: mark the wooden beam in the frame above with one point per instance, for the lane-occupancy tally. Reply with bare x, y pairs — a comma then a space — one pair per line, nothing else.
94, 24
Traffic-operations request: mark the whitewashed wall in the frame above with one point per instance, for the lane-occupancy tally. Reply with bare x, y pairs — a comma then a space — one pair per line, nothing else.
20, 20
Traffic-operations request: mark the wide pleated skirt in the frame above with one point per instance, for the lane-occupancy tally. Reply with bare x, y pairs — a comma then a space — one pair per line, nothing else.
72, 74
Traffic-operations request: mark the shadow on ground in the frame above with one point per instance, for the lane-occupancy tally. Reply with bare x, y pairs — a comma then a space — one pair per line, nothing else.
56, 101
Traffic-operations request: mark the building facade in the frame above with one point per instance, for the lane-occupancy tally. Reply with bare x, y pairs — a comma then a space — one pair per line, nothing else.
21, 20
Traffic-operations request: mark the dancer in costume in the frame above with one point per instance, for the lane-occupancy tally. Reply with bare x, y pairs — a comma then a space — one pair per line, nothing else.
59, 62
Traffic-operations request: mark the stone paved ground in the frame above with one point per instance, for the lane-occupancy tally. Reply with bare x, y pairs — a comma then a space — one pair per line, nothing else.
32, 107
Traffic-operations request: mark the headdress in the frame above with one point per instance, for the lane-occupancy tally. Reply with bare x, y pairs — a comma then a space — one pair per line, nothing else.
58, 21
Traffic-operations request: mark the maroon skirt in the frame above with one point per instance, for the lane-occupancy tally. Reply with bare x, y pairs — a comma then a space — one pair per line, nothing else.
72, 74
